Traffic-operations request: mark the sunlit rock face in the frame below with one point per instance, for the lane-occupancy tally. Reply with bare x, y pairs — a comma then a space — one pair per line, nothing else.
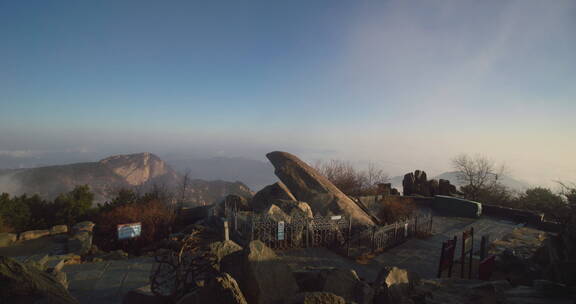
137, 169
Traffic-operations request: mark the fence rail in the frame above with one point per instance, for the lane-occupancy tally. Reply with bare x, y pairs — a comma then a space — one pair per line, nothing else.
334, 232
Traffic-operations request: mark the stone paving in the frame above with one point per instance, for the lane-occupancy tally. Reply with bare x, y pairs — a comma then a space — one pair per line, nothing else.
109, 281
418, 255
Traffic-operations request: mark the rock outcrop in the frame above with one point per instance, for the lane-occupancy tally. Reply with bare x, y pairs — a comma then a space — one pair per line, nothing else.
22, 283
263, 277
137, 169
417, 184
81, 242
222, 290
262, 198
224, 248
393, 284
307, 185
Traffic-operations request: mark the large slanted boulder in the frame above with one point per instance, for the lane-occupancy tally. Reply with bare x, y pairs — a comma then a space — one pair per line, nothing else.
262, 198
307, 185
20, 283
263, 277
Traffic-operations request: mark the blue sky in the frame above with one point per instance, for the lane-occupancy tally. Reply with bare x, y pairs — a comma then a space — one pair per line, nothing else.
404, 84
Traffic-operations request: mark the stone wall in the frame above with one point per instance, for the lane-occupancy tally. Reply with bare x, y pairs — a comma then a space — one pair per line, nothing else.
453, 206
521, 216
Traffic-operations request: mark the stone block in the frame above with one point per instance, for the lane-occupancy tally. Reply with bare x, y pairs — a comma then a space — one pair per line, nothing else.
33, 234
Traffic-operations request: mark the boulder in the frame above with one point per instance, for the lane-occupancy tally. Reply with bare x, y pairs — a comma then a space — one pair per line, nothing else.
262, 198
80, 243
237, 202
394, 284
278, 215
144, 295
433, 187
262, 276
307, 185
346, 284
26, 284
33, 234
408, 184
58, 229
456, 206
294, 208
222, 249
444, 187
83, 226
7, 239
223, 290
317, 298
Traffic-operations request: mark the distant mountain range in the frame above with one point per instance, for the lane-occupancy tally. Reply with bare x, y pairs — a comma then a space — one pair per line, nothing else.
138, 171
510, 182
255, 174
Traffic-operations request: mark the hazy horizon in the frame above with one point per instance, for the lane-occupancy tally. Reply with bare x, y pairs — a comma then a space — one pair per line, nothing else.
401, 85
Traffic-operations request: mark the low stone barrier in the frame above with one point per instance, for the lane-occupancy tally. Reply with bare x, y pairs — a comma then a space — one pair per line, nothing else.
516, 215
58, 229
456, 206
6, 239
33, 234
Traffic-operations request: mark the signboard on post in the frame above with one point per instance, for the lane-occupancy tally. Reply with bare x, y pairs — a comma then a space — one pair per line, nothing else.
281, 230
129, 231
447, 257
467, 249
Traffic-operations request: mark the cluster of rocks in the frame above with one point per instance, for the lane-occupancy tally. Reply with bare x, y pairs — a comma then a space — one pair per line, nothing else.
301, 191
8, 239
255, 274
417, 184
386, 189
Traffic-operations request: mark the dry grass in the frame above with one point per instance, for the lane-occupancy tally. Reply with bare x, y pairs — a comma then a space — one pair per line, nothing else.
156, 218
393, 210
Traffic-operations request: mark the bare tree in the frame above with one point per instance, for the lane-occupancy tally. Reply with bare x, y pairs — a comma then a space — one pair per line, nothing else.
350, 180
478, 173
184, 189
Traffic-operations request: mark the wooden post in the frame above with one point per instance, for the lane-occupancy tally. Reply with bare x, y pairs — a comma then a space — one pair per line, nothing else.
373, 245
307, 233
251, 229
349, 237
483, 247
226, 231
471, 253
452, 262
236, 221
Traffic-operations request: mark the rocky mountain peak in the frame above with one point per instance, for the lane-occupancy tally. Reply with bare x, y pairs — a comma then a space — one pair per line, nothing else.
138, 168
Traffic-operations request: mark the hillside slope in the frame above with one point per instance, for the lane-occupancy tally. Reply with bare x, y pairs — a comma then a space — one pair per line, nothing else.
134, 171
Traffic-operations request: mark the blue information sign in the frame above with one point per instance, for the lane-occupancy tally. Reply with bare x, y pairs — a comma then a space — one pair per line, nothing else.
129, 231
